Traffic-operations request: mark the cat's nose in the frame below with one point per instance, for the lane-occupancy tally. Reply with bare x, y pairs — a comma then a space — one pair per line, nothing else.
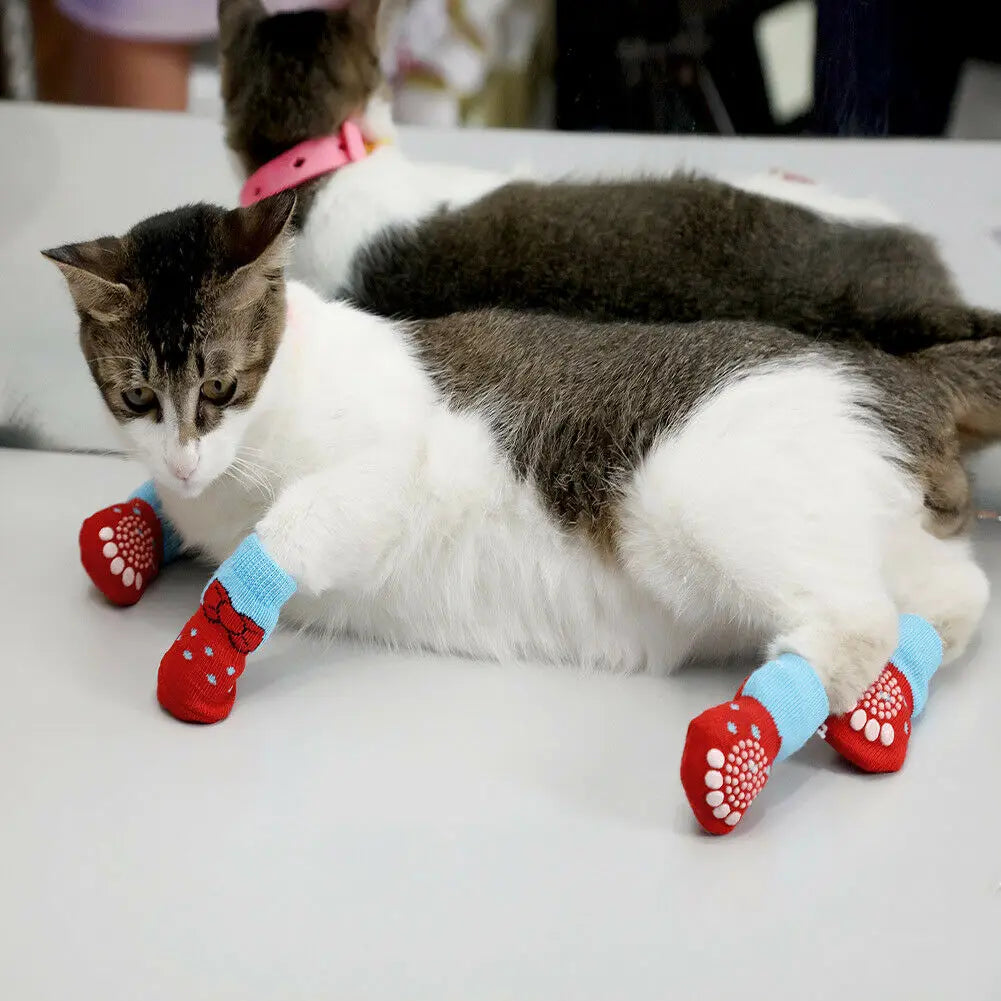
183, 464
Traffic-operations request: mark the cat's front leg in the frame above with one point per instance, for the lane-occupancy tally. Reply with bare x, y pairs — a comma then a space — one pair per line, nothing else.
331, 529
326, 530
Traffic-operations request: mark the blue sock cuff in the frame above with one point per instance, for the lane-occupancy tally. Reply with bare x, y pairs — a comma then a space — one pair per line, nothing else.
257, 586
172, 544
790, 690
918, 656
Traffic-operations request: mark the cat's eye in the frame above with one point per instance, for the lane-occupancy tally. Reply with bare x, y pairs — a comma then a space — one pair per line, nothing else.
139, 399
219, 391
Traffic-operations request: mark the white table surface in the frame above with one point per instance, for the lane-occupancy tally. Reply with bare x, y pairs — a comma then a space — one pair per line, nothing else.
375, 826
369, 825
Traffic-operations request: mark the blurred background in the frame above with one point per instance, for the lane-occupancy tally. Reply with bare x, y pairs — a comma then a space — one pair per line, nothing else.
730, 67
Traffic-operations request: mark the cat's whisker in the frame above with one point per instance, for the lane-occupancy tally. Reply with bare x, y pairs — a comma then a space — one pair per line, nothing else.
252, 476
264, 470
262, 467
249, 465
258, 455
269, 468
246, 472
236, 476
264, 476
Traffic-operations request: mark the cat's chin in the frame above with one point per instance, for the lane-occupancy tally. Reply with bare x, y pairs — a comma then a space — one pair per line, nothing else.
186, 489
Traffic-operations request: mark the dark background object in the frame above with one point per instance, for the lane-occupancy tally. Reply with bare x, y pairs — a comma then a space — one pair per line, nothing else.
882, 67
890, 67
641, 66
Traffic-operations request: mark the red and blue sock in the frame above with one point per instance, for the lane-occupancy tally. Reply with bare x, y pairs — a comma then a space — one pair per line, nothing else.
875, 735
731, 748
239, 610
123, 547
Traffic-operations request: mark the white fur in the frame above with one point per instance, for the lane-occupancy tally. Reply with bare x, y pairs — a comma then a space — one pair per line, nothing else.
358, 201
775, 514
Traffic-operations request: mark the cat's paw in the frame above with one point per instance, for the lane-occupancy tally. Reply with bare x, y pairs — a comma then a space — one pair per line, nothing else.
198, 674
874, 735
121, 549
728, 757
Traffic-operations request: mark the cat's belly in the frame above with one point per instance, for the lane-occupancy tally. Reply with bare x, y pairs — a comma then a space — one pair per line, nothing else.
504, 584
556, 614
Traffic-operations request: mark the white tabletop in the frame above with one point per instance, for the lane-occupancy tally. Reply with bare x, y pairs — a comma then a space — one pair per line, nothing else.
370, 825
376, 826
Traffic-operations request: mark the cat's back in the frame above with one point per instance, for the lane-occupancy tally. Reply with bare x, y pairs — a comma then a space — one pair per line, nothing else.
680, 248
537, 360
575, 406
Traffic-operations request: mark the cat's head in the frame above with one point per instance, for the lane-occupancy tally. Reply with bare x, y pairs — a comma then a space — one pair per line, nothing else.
294, 76
180, 320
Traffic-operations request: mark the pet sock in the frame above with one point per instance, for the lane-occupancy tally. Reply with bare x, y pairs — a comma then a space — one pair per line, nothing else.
239, 610
123, 547
730, 749
875, 734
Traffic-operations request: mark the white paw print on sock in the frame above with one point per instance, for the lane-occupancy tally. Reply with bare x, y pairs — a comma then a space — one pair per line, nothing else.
128, 547
882, 702
735, 778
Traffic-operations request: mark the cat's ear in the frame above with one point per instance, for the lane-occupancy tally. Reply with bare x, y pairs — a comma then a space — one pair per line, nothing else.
258, 239
235, 17
91, 270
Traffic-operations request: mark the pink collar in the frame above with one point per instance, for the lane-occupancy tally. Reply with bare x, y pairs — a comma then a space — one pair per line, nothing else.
312, 158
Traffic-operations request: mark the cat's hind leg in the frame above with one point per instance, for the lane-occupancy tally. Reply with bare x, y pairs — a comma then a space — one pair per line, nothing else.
769, 507
939, 581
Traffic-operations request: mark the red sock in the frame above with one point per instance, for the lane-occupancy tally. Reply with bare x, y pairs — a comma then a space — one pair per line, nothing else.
121, 549
727, 760
198, 674
875, 734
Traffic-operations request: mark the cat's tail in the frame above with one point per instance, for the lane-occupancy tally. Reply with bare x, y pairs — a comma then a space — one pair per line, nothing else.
970, 373
903, 331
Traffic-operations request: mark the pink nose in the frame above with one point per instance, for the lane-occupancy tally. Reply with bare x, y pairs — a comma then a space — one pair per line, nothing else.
184, 467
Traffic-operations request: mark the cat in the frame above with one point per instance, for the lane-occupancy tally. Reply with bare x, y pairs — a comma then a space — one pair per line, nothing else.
421, 240
617, 495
